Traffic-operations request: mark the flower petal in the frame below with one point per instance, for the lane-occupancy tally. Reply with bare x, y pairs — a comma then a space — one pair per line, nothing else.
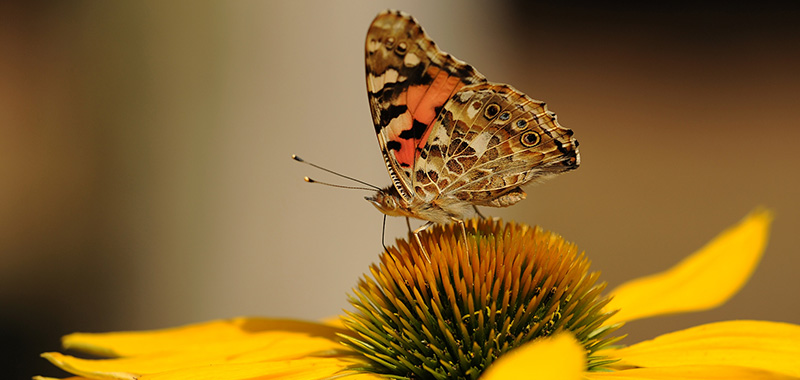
82, 367
689, 373
205, 345
560, 357
303, 369
769, 346
701, 281
120, 344
265, 347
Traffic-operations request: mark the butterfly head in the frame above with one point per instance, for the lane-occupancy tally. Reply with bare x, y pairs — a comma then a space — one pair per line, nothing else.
389, 202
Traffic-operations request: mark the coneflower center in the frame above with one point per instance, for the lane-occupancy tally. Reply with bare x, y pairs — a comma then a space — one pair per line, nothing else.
452, 316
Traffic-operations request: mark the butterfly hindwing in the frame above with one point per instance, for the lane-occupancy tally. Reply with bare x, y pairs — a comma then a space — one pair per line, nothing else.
408, 82
487, 142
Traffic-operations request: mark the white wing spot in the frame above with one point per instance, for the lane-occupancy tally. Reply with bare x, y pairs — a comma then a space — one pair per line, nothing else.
377, 82
411, 60
472, 111
373, 45
480, 143
390, 76
466, 95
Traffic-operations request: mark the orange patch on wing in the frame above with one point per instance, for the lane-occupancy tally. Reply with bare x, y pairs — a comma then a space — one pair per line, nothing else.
422, 101
405, 155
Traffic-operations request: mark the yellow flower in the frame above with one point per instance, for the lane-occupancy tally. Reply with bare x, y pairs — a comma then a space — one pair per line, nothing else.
515, 302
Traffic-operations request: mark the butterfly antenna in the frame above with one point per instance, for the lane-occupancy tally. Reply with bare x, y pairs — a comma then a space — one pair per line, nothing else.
309, 180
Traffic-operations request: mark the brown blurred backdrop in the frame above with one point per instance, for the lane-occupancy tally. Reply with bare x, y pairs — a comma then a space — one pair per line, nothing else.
145, 178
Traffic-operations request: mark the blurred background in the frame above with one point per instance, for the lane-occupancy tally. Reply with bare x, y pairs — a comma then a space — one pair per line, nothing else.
146, 179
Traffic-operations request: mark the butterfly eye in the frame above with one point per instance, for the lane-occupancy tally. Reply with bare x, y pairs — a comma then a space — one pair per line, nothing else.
505, 116
390, 203
529, 139
402, 48
491, 111
522, 124
390, 43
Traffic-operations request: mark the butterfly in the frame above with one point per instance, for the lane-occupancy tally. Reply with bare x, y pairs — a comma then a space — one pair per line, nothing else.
452, 140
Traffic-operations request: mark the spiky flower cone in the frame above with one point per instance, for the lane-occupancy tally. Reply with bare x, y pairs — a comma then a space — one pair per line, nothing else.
452, 316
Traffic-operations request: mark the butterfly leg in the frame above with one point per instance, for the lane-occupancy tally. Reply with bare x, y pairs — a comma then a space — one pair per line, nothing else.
408, 224
383, 234
478, 212
416, 236
463, 233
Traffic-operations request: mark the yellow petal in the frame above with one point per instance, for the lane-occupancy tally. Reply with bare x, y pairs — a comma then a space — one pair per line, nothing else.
703, 280
768, 346
303, 369
79, 367
155, 341
558, 358
257, 348
689, 373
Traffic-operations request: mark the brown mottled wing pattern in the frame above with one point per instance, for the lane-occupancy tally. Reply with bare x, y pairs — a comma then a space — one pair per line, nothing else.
408, 81
488, 141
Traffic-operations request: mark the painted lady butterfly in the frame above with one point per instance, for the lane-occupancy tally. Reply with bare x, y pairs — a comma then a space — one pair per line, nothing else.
451, 139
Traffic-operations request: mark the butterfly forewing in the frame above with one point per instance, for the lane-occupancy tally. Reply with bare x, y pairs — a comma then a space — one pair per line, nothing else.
408, 81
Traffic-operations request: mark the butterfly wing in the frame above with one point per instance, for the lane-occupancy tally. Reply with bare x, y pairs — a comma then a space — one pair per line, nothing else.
408, 81
488, 141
